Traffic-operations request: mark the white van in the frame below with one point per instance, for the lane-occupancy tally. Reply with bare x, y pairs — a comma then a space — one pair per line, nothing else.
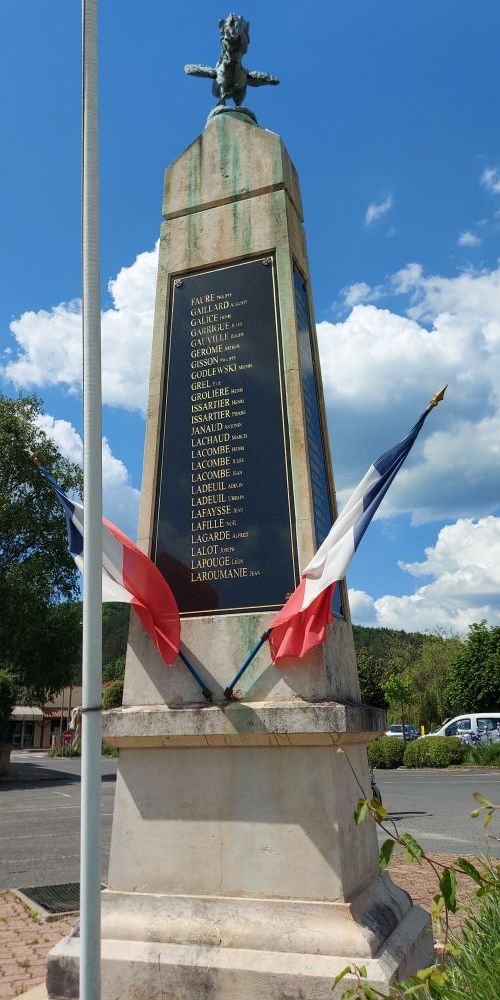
485, 725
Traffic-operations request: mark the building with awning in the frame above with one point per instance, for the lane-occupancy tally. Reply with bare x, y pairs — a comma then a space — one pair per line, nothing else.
26, 726
34, 728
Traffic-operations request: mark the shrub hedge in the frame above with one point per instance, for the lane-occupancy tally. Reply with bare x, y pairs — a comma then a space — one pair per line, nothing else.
386, 751
113, 694
435, 751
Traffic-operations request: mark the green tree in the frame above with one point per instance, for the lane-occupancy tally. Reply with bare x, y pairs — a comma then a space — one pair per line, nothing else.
399, 691
115, 669
474, 679
7, 702
430, 672
115, 618
371, 673
39, 623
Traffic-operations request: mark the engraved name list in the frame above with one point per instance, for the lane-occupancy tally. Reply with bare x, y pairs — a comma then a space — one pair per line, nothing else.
224, 509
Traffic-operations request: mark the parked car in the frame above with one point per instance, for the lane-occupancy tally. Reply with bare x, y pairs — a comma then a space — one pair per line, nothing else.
411, 732
478, 726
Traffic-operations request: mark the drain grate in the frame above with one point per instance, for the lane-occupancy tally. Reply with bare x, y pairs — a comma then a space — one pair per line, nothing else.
55, 898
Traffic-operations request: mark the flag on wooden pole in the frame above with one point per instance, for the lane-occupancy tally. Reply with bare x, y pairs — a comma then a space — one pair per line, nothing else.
302, 622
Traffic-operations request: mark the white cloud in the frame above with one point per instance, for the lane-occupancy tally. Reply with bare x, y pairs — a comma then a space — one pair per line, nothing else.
49, 341
407, 278
490, 178
468, 239
380, 368
464, 567
120, 499
376, 210
468, 548
362, 607
358, 292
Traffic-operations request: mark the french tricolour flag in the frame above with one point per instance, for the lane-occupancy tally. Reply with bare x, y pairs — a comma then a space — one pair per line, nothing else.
302, 622
128, 576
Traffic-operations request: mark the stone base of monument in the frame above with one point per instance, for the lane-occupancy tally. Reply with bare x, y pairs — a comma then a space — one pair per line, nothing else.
237, 869
266, 949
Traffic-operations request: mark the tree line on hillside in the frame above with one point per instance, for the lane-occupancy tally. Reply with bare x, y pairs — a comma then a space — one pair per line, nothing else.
444, 675
40, 620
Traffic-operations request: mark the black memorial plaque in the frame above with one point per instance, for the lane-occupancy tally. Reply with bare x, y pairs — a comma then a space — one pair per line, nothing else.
322, 503
224, 534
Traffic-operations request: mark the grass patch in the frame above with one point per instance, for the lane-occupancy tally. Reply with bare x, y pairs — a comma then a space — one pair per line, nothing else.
487, 755
67, 751
475, 972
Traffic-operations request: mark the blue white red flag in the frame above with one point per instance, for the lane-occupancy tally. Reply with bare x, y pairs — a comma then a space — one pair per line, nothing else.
302, 622
127, 576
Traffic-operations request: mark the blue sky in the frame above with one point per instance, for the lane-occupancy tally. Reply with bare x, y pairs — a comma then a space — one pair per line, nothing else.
389, 112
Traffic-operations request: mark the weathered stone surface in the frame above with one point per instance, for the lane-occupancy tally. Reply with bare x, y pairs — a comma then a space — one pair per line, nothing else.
256, 723
138, 970
234, 192
236, 868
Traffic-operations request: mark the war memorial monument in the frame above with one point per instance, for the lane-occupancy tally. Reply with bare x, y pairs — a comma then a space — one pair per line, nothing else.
237, 871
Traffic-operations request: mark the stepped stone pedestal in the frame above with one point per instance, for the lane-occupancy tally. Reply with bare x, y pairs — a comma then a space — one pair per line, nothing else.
236, 868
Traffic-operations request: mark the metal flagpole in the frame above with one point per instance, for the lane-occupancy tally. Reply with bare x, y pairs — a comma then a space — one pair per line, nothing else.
228, 693
90, 863
206, 692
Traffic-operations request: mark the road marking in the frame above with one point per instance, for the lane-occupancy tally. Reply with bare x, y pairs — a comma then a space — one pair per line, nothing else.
428, 835
42, 809
18, 810
438, 781
29, 836
23, 861
65, 795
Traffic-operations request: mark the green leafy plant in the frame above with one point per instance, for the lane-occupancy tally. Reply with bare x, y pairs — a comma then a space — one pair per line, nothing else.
435, 751
115, 670
65, 751
386, 752
435, 981
474, 680
484, 755
7, 702
113, 695
473, 969
38, 577
424, 658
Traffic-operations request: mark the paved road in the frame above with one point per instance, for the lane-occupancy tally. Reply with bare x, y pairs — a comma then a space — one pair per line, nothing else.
40, 814
435, 806
40, 820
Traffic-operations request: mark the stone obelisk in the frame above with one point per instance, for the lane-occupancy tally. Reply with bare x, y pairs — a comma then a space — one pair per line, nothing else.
236, 868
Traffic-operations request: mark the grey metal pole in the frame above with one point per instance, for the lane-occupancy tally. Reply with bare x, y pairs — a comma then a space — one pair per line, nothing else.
90, 862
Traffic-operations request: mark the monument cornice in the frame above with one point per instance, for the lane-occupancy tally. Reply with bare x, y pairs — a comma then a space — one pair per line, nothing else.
290, 723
